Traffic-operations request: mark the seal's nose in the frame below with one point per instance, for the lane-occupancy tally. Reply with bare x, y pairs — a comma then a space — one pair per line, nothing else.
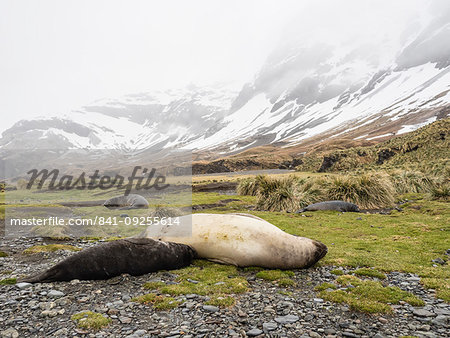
318, 252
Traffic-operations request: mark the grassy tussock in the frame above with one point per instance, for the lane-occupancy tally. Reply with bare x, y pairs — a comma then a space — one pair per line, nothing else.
441, 192
412, 182
368, 191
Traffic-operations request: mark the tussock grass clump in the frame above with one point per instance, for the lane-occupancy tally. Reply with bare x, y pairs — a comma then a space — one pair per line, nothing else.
157, 301
282, 198
337, 272
368, 191
412, 182
249, 186
277, 194
286, 194
49, 248
91, 320
440, 192
369, 296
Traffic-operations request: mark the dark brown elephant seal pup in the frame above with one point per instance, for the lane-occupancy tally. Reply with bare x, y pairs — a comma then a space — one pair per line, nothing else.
135, 256
331, 205
131, 201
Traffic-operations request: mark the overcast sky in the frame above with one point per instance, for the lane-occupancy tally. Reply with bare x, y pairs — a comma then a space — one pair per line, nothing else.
57, 55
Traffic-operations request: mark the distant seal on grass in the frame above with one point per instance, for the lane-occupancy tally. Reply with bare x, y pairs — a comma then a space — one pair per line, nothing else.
131, 201
135, 256
331, 205
241, 240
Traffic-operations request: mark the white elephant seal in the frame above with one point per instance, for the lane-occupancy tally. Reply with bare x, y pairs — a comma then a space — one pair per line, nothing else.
241, 240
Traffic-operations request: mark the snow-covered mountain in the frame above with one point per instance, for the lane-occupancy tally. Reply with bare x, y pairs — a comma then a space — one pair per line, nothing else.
137, 121
337, 83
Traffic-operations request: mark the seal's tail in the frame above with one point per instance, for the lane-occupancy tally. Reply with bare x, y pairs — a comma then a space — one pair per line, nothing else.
50, 275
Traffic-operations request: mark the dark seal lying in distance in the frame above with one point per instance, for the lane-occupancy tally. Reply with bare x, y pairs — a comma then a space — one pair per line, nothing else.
135, 256
331, 205
131, 201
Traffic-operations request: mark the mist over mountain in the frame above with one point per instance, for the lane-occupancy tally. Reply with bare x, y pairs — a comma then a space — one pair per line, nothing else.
360, 73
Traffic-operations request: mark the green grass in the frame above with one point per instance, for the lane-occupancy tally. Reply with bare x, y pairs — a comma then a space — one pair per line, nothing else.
221, 301
49, 248
325, 286
284, 282
8, 281
91, 320
404, 241
159, 302
370, 273
273, 275
3, 254
367, 296
337, 272
211, 278
442, 287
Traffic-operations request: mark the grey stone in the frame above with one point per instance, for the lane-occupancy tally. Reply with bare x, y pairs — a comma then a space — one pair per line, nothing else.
125, 320
210, 308
287, 319
9, 333
192, 281
254, 332
441, 320
438, 261
270, 326
423, 313
55, 294
23, 285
